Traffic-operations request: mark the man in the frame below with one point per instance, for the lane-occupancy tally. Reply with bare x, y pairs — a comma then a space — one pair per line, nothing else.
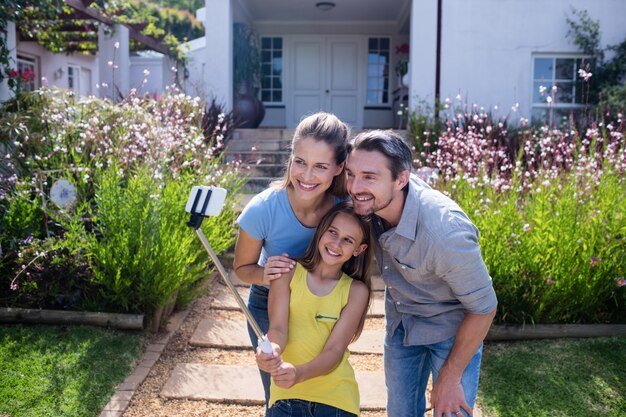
439, 300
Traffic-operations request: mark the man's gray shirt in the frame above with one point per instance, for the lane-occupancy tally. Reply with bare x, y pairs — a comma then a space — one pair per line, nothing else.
432, 266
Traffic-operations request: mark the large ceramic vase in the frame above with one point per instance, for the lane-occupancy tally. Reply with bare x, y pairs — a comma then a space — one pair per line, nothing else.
249, 110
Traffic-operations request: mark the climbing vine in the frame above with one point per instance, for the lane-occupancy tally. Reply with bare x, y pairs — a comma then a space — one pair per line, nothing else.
39, 20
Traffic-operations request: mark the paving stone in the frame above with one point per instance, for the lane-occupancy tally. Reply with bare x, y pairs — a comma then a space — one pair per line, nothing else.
232, 334
135, 379
116, 405
223, 298
150, 355
123, 395
242, 385
370, 341
221, 333
214, 383
155, 347
147, 363
109, 413
175, 320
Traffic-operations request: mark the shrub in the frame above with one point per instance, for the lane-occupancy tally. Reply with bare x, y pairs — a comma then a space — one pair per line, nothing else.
550, 206
133, 165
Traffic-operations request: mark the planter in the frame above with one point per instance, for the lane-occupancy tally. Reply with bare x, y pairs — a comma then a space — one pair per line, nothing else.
249, 110
31, 316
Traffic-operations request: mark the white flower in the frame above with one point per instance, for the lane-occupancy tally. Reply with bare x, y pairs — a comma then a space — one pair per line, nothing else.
116, 45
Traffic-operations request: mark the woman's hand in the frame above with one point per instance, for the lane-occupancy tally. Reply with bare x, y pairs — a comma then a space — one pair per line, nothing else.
285, 376
276, 266
269, 362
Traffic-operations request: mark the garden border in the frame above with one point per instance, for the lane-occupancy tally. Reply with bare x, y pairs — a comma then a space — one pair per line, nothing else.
32, 316
553, 331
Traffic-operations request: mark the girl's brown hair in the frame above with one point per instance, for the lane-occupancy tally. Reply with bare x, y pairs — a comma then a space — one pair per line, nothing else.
327, 128
357, 267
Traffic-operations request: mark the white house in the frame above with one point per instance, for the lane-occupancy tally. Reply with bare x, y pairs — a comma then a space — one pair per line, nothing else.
113, 70
340, 55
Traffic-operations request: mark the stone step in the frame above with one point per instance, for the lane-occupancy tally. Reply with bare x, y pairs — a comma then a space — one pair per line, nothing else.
233, 334
255, 145
223, 299
265, 171
242, 385
263, 134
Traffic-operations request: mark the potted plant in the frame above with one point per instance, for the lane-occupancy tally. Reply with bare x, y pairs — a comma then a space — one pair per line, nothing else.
248, 109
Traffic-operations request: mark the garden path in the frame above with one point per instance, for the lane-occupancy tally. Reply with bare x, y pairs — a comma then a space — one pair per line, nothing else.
202, 365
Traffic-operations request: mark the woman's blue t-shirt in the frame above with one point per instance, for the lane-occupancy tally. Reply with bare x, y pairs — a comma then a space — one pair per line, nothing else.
270, 218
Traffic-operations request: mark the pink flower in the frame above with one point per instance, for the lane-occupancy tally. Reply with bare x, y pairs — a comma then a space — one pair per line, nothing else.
594, 261
402, 49
549, 281
620, 282
584, 74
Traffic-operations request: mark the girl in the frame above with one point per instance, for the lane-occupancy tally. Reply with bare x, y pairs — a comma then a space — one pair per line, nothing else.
278, 223
315, 311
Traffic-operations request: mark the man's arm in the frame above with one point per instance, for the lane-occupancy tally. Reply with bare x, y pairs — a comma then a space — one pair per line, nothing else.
447, 395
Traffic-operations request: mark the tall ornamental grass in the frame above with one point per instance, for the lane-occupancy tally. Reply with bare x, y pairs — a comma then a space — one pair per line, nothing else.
550, 204
133, 165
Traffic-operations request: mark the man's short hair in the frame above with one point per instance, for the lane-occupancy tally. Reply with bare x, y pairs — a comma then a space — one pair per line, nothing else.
390, 144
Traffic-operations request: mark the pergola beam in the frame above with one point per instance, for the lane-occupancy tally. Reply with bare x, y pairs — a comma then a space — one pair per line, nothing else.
91, 13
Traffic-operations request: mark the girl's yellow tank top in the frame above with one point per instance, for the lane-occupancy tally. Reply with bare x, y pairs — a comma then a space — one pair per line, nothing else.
311, 320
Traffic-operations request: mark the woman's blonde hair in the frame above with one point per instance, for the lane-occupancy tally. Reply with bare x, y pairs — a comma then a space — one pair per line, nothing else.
357, 267
327, 128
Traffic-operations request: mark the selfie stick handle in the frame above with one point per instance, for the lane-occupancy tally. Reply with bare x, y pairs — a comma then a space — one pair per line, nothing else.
264, 342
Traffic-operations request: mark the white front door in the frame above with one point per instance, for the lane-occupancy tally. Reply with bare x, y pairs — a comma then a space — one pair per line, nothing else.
325, 74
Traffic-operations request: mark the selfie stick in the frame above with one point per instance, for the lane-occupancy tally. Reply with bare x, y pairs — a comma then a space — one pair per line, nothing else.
208, 201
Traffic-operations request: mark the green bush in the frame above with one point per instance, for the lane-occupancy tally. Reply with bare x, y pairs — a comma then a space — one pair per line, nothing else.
140, 250
550, 205
124, 241
555, 255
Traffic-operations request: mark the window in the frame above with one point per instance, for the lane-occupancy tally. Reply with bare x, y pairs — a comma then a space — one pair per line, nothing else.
378, 71
27, 65
271, 69
557, 88
73, 78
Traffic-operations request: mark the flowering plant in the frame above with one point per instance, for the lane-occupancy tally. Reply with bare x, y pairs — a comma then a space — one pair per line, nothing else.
17, 79
402, 66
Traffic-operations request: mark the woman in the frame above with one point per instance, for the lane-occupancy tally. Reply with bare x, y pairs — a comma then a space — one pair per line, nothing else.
278, 224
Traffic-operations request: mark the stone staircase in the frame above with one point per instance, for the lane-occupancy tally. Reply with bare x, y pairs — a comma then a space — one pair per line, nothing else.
264, 151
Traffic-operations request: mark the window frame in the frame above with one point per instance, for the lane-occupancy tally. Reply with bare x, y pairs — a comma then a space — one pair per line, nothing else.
30, 60
575, 80
272, 89
76, 70
384, 105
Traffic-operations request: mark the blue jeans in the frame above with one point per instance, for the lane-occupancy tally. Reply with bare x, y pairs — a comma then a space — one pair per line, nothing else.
407, 369
257, 304
302, 408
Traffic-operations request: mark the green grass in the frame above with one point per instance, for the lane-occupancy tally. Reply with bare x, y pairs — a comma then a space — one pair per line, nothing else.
556, 378
62, 371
